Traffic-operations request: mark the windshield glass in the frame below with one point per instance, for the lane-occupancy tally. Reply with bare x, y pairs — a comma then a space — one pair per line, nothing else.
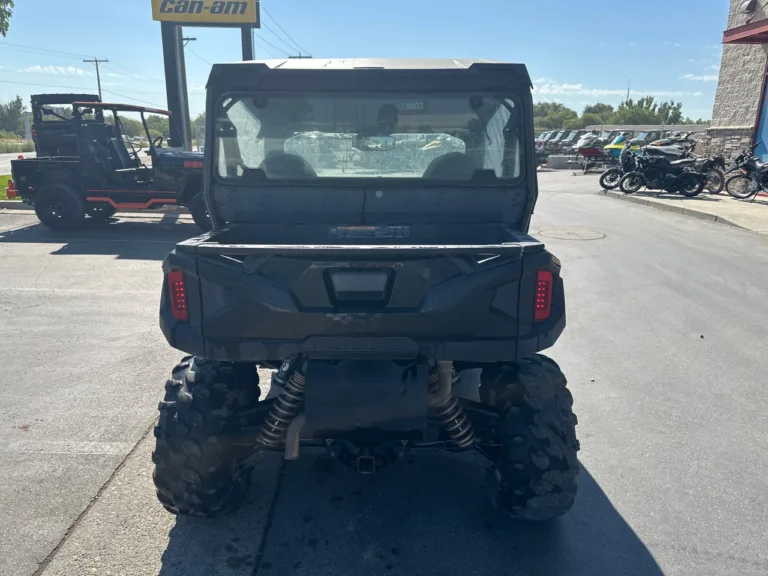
448, 136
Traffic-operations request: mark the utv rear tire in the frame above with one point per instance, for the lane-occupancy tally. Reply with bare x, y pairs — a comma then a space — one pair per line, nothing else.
534, 477
198, 468
199, 212
59, 207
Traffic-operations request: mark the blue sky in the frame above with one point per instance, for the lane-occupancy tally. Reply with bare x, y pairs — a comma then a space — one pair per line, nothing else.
578, 53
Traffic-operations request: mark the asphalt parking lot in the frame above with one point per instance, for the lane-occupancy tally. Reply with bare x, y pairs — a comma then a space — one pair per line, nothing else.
665, 352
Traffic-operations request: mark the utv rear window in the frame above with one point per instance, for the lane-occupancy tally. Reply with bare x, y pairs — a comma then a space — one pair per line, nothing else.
437, 137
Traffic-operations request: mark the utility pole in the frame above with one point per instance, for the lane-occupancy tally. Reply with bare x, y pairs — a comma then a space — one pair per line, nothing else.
97, 61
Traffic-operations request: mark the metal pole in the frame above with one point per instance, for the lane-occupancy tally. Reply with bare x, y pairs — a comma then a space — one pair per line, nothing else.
184, 93
248, 50
97, 61
171, 35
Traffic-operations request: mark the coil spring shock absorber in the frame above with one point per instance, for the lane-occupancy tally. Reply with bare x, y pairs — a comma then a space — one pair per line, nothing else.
286, 407
448, 407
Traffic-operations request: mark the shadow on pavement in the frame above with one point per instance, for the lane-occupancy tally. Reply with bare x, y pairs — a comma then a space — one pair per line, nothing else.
428, 516
129, 238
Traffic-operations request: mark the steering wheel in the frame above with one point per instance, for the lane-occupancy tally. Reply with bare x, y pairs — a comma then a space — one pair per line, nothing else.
158, 142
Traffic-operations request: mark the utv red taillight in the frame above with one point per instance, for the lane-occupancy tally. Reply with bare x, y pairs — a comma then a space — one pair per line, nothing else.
177, 291
543, 305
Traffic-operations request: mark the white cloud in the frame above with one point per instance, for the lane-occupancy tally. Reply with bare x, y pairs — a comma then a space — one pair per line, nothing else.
113, 75
57, 70
714, 67
545, 87
701, 78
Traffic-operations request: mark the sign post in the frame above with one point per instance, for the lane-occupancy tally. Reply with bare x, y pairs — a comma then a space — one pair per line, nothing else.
172, 15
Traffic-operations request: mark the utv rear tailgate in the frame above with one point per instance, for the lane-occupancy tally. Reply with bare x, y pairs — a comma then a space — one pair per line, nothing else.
262, 302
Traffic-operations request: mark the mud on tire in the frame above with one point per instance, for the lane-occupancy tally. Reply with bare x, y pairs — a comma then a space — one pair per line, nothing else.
198, 468
534, 477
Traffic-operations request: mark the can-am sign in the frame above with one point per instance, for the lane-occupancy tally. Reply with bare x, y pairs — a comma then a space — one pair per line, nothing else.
221, 12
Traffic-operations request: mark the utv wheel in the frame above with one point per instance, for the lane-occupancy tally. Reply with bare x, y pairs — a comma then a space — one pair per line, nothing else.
199, 212
534, 477
59, 207
198, 468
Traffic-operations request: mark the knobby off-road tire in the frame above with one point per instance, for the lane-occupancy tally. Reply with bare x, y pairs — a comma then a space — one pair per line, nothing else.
198, 469
199, 212
534, 477
59, 207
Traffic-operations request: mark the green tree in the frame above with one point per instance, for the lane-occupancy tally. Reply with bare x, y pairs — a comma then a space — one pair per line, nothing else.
670, 112
553, 115
599, 109
12, 116
158, 125
6, 11
199, 122
591, 119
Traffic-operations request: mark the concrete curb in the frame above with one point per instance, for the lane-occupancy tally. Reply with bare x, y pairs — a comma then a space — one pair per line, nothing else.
646, 201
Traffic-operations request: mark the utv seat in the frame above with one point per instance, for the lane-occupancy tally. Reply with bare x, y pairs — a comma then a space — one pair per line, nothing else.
451, 166
121, 159
284, 166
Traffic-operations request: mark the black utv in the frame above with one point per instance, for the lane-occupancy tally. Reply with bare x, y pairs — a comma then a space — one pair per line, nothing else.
99, 169
370, 245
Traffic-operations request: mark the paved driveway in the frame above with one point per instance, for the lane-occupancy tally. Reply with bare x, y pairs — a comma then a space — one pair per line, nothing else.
665, 352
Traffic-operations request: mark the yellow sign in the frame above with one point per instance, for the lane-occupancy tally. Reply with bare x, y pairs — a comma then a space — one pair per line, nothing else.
222, 12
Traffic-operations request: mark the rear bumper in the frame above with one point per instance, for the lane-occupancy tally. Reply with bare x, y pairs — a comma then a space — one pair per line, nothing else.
265, 312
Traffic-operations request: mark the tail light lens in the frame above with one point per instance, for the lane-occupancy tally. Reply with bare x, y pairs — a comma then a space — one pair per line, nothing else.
543, 304
177, 292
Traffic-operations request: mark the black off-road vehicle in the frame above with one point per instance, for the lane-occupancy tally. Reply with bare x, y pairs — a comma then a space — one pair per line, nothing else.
369, 243
102, 170
54, 130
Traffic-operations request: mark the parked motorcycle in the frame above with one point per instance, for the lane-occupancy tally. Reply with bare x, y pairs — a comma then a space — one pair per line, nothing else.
610, 179
713, 168
751, 176
657, 173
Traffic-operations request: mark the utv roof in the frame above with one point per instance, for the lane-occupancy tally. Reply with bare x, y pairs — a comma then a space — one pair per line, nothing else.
121, 107
461, 69
63, 98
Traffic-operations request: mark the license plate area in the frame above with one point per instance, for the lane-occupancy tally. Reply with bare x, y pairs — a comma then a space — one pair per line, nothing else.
373, 399
357, 287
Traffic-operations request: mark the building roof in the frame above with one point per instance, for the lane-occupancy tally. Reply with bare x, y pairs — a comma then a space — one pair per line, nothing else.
751, 33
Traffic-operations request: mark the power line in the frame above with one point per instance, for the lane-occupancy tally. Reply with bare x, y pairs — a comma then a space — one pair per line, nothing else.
134, 99
281, 28
273, 46
97, 61
22, 48
290, 47
267, 50
198, 56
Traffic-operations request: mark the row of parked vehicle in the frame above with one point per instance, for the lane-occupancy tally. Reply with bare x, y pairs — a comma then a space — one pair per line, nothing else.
673, 167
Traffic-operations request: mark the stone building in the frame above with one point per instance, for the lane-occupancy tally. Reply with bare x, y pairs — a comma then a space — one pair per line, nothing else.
740, 114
